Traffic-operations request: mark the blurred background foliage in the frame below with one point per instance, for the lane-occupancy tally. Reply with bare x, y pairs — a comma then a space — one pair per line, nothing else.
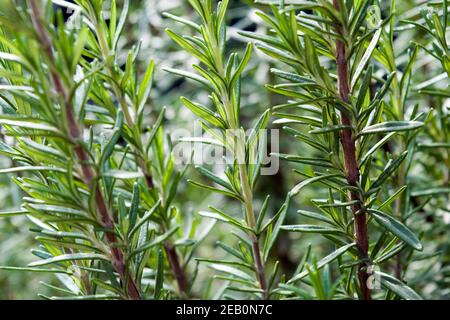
429, 272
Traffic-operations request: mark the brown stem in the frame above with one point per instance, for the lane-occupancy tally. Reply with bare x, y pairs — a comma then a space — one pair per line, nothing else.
351, 163
117, 258
147, 176
177, 270
260, 268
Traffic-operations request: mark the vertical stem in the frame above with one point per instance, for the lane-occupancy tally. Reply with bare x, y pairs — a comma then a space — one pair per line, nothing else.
260, 267
177, 270
117, 258
351, 163
247, 192
251, 221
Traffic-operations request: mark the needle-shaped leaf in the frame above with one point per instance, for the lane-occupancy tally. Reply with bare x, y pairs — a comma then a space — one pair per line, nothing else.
398, 287
392, 126
221, 216
68, 258
28, 123
123, 175
397, 228
107, 152
325, 261
121, 24
210, 175
204, 113
391, 166
242, 65
159, 276
365, 59
309, 228
133, 213
309, 181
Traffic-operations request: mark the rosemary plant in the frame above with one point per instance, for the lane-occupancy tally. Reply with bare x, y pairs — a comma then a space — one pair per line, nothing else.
430, 194
221, 73
344, 116
359, 88
78, 119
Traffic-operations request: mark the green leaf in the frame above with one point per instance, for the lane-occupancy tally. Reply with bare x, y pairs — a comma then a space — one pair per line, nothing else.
321, 162
308, 228
224, 192
191, 76
133, 213
430, 192
219, 215
146, 86
57, 209
155, 128
109, 148
325, 261
28, 123
307, 182
181, 20
38, 270
277, 227
365, 59
315, 216
364, 88
294, 77
222, 7
158, 240
392, 198
69, 257
159, 276
8, 214
242, 64
393, 126
183, 43
204, 113
398, 287
329, 129
208, 174
397, 228
31, 168
121, 24
145, 218
262, 213
391, 166
376, 147
231, 271
123, 175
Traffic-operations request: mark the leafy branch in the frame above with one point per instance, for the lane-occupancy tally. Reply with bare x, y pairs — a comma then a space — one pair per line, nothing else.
221, 74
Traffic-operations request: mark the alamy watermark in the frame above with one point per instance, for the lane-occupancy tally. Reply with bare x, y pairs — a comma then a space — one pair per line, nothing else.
227, 147
374, 280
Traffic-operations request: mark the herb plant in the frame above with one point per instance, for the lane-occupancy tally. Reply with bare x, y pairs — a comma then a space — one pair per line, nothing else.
359, 90
345, 116
221, 74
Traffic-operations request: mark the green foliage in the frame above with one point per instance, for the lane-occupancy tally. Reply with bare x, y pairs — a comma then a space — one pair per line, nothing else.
221, 73
360, 90
347, 118
102, 202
